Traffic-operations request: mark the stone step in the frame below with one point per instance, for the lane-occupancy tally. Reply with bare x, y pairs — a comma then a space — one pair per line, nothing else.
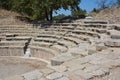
54, 76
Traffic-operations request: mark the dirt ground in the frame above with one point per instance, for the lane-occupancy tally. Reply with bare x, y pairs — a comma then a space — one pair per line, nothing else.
11, 69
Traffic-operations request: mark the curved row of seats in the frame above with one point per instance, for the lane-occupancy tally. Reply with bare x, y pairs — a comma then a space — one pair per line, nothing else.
57, 38
78, 49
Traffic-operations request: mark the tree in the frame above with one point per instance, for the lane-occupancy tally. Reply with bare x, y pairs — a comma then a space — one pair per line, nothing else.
58, 17
77, 13
102, 4
96, 10
118, 2
6, 4
58, 4
39, 9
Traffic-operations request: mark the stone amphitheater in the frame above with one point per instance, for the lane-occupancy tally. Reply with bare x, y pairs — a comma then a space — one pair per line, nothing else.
80, 50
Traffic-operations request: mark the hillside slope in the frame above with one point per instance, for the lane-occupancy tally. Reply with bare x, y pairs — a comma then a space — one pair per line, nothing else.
111, 14
10, 18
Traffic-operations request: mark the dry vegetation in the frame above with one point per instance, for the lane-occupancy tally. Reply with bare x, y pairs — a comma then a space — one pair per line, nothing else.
111, 14
9, 18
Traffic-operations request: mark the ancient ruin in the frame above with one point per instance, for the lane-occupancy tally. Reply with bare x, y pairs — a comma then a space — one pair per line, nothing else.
80, 50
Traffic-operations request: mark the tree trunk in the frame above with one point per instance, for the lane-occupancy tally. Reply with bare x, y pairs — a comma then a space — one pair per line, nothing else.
46, 14
51, 12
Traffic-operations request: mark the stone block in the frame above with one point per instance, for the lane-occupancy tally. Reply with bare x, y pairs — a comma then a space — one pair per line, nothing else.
100, 47
63, 78
78, 52
117, 36
47, 71
114, 34
84, 75
54, 76
92, 50
33, 75
113, 43
102, 71
97, 73
58, 60
102, 31
89, 69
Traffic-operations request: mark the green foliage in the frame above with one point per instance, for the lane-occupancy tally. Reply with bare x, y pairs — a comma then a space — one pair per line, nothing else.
102, 4
96, 10
118, 2
39, 9
76, 13
58, 17
6, 4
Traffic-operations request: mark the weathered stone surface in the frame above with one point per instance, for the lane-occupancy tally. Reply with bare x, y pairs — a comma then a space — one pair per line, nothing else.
100, 47
73, 76
78, 52
60, 59
91, 50
84, 45
60, 68
47, 71
12, 50
100, 72
76, 64
110, 63
43, 78
16, 77
83, 74
115, 74
114, 34
42, 52
94, 57
97, 73
113, 43
54, 75
63, 78
89, 69
34, 75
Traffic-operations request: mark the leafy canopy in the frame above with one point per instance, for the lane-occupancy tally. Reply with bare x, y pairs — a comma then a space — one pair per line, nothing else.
39, 9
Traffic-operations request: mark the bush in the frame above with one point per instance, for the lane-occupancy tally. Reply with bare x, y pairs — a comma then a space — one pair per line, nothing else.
77, 13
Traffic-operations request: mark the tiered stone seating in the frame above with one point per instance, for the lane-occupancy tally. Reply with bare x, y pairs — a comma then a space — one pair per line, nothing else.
21, 30
60, 48
93, 29
49, 44
95, 22
91, 66
93, 34
51, 33
18, 38
40, 47
87, 50
42, 52
11, 44
13, 48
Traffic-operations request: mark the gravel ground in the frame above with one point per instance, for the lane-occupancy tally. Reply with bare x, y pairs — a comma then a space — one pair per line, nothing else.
11, 69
